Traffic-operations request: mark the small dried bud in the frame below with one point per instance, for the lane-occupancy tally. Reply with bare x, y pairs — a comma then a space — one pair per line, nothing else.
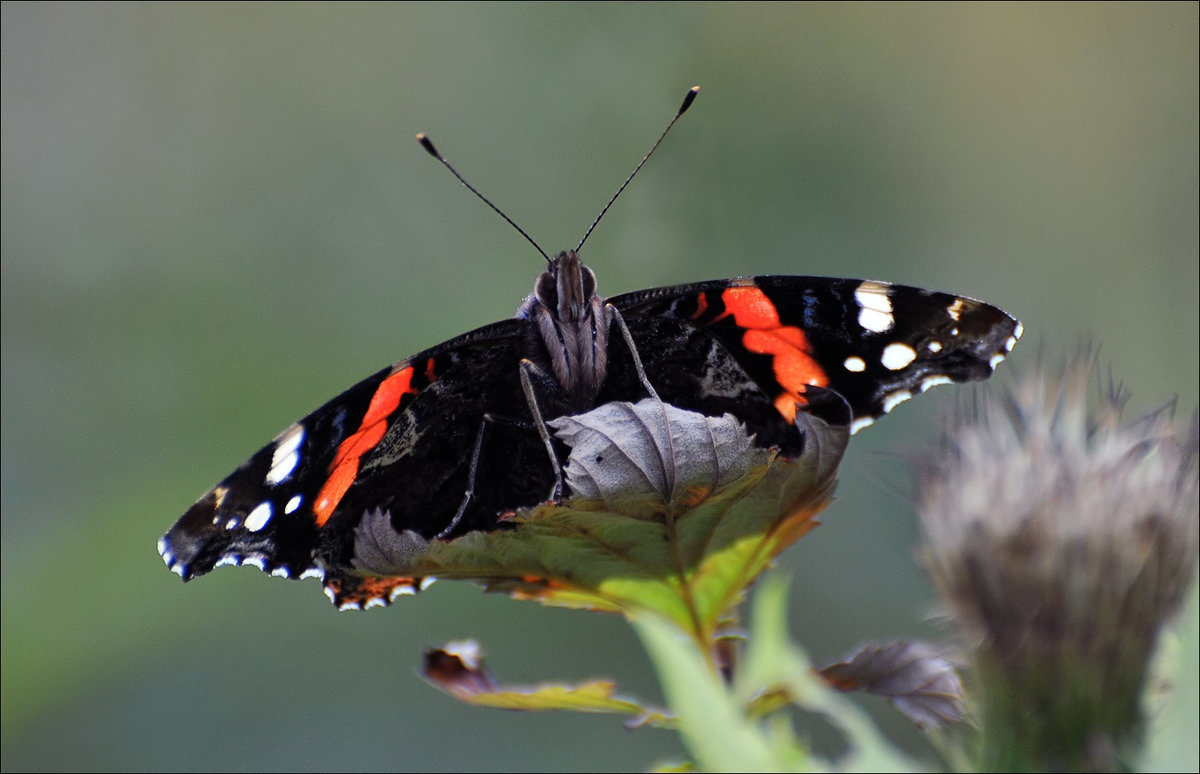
1062, 540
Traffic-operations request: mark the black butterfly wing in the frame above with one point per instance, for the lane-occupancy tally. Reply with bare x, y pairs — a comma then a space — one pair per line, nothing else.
394, 450
754, 345
442, 443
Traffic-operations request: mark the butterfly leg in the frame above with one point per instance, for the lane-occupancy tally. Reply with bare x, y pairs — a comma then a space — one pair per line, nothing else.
470, 491
612, 314
472, 469
530, 371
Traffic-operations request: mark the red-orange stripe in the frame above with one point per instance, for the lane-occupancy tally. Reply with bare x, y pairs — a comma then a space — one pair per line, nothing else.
750, 307
387, 396
334, 490
787, 345
344, 468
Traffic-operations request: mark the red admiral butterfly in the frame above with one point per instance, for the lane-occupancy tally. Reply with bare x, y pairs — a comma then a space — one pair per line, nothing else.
448, 440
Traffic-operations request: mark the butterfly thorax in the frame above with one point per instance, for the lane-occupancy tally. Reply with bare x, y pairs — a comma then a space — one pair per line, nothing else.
571, 328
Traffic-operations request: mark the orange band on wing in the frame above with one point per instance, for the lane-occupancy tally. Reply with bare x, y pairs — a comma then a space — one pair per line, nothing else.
750, 307
787, 345
361, 591
344, 468
334, 490
387, 396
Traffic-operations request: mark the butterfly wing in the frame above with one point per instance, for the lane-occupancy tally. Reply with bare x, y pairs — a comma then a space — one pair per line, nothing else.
754, 345
395, 450
442, 443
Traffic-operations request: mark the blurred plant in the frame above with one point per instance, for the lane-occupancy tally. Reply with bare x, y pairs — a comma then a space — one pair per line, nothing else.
1062, 539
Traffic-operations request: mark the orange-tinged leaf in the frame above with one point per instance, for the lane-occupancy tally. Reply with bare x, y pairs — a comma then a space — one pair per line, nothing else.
458, 669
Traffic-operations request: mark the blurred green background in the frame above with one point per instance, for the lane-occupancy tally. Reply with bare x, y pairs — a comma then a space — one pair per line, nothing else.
215, 218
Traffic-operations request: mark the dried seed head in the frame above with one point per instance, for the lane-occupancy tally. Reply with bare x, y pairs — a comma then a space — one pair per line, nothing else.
1062, 540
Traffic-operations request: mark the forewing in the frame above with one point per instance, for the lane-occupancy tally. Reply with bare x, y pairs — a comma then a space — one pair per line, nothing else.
765, 341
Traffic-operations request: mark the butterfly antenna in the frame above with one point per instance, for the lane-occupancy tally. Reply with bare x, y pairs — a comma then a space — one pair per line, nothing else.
688, 99
428, 145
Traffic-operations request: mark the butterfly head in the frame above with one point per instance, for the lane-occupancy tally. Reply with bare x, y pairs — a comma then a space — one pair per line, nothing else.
570, 323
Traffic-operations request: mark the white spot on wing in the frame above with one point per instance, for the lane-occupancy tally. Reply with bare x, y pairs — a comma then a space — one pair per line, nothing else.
293, 504
427, 582
258, 518
875, 307
955, 309
934, 347
286, 456
874, 320
855, 364
897, 356
934, 381
282, 468
860, 423
256, 560
1011, 341
895, 399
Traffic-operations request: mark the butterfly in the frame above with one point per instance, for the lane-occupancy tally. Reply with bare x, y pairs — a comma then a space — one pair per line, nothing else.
448, 440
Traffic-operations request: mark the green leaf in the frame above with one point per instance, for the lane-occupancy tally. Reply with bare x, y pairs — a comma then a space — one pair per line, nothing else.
773, 668
711, 721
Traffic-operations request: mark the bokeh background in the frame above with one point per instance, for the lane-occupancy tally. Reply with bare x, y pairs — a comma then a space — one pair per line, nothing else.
215, 218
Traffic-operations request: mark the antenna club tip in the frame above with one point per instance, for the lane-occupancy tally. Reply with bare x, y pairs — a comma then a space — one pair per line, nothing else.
427, 144
688, 99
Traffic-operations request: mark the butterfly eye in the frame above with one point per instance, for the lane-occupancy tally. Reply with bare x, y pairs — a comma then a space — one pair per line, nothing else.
589, 282
545, 290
